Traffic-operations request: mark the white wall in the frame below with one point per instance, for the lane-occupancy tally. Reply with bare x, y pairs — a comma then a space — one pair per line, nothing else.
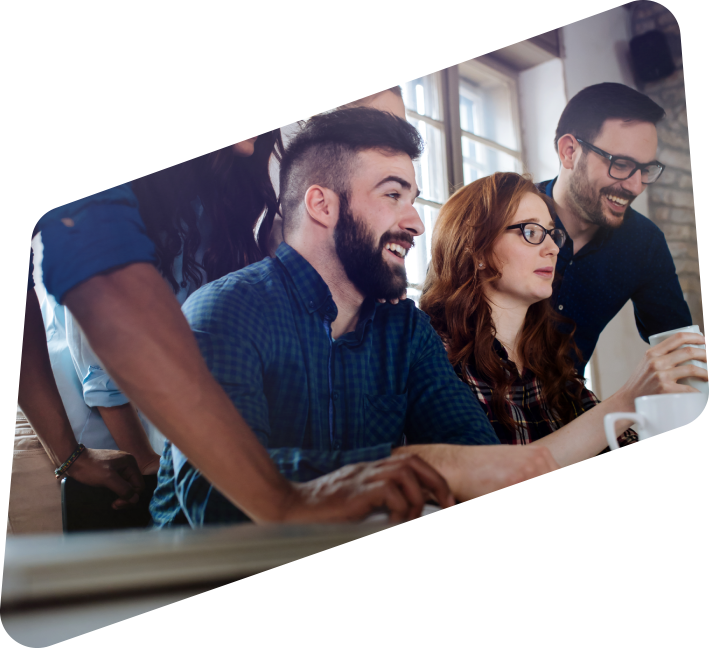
596, 50
542, 97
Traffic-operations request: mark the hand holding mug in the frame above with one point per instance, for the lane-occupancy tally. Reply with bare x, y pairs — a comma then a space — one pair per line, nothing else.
698, 384
667, 363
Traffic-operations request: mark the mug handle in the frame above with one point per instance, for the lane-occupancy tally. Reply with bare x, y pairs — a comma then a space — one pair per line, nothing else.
609, 421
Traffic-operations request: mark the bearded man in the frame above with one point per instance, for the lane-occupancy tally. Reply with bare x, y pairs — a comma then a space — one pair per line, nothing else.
324, 374
607, 143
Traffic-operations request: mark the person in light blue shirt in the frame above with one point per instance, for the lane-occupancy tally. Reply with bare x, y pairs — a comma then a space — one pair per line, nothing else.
86, 387
190, 247
45, 441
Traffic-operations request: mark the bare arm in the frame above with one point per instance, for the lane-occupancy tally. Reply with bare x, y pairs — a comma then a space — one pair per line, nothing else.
472, 471
658, 373
41, 403
127, 431
584, 437
38, 396
135, 325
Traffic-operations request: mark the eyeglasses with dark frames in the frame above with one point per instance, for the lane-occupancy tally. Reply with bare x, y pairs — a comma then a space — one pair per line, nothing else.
622, 168
535, 233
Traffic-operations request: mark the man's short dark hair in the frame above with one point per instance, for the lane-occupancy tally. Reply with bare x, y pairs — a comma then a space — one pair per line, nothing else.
324, 151
586, 113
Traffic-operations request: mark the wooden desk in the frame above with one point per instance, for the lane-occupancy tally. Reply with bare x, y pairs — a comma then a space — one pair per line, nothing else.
58, 587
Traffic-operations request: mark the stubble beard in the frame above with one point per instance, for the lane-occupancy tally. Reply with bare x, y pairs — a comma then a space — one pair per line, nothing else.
363, 258
589, 207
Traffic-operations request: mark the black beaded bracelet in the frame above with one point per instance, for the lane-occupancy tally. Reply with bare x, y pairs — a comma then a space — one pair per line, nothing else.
67, 464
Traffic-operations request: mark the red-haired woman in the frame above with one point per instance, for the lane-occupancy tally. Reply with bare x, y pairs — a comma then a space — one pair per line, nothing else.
487, 292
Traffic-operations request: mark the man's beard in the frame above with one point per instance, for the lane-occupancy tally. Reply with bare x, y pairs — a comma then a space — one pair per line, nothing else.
363, 258
590, 207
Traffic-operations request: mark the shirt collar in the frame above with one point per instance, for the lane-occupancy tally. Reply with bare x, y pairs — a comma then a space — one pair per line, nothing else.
500, 350
510, 366
568, 245
310, 286
315, 294
549, 187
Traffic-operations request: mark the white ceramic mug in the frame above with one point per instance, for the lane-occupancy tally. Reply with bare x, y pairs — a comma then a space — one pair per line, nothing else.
657, 414
699, 385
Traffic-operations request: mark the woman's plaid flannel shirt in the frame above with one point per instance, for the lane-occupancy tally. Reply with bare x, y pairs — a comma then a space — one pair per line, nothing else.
528, 408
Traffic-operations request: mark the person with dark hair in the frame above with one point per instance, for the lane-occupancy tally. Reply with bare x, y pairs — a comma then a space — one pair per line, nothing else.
119, 259
324, 374
201, 216
494, 252
607, 143
389, 100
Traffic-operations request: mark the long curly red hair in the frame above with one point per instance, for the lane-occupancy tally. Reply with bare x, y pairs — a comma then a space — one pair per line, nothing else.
466, 230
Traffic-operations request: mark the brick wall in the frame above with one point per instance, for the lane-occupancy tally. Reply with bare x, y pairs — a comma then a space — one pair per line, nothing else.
670, 199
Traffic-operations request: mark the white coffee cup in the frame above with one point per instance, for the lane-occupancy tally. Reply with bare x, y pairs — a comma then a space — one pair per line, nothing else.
699, 385
657, 414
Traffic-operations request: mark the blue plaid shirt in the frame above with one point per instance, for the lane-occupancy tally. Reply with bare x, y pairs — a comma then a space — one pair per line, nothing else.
629, 262
315, 403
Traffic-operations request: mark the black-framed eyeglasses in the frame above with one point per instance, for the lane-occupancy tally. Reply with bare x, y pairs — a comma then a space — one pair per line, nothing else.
622, 168
535, 233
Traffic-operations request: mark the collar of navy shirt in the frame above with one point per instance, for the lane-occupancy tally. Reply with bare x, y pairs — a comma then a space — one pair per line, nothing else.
599, 239
315, 294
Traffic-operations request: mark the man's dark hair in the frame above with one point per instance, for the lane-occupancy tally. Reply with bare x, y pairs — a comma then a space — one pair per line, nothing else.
586, 113
323, 153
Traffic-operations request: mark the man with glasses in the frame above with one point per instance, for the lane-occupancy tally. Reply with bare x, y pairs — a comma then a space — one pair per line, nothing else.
607, 145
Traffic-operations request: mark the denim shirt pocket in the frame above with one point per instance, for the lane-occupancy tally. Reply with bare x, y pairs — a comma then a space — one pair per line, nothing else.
385, 417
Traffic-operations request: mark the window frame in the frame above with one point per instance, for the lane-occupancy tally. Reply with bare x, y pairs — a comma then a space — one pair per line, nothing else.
510, 78
448, 84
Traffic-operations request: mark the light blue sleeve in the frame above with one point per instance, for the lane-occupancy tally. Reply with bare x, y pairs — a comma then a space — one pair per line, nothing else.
99, 389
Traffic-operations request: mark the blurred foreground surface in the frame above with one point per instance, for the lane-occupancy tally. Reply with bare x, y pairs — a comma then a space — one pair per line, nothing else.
56, 587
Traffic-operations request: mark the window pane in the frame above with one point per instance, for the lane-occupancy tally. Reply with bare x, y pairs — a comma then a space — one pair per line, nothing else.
417, 259
480, 160
422, 96
486, 106
430, 169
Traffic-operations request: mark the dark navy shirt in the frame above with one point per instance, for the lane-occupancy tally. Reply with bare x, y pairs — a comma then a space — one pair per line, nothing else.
628, 262
315, 403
